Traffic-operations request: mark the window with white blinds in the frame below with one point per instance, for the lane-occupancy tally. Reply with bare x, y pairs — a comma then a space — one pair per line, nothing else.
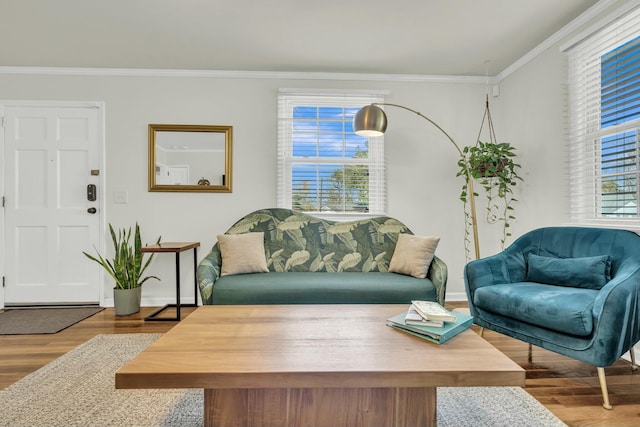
323, 167
604, 123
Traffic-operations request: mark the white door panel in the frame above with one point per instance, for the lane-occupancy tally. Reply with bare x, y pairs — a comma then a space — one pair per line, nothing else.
49, 155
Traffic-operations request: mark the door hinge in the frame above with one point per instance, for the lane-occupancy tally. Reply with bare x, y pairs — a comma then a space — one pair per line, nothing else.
1, 121
3, 200
3, 281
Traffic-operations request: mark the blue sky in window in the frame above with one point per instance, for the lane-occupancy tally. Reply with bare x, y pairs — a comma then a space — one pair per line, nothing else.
620, 84
314, 174
325, 132
620, 103
618, 152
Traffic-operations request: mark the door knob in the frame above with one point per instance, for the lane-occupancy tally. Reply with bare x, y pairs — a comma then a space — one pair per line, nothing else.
92, 210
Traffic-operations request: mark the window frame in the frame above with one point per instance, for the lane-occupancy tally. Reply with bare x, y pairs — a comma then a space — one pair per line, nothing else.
585, 125
375, 161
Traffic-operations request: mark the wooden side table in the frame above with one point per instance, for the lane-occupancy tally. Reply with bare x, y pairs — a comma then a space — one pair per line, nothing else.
177, 248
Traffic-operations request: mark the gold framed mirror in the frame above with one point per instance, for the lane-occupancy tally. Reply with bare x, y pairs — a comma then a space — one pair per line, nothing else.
190, 158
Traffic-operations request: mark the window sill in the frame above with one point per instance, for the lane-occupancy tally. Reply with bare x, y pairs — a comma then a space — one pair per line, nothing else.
332, 216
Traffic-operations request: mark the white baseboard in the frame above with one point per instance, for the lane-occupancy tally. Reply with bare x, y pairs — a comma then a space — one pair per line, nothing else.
155, 301
456, 296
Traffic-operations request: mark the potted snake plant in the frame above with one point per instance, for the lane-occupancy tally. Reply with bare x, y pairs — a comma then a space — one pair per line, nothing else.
126, 268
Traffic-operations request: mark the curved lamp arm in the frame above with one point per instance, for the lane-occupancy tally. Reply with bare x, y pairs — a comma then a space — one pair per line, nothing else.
427, 119
372, 121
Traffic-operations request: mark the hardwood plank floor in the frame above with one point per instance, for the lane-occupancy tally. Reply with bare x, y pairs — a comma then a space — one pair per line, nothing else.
566, 387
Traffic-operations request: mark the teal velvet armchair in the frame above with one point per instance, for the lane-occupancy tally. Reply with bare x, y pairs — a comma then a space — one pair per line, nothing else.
571, 290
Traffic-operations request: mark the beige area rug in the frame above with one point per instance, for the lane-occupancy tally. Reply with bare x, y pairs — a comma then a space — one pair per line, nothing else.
26, 321
78, 389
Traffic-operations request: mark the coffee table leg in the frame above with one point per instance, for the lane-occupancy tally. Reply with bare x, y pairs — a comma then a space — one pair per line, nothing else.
417, 407
245, 407
316, 407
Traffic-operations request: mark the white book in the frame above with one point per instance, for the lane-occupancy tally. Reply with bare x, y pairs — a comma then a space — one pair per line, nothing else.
431, 310
414, 318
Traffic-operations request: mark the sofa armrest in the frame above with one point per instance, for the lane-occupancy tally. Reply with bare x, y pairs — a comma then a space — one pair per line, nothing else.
208, 272
438, 274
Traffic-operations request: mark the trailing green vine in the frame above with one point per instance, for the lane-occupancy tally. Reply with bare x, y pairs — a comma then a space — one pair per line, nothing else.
493, 166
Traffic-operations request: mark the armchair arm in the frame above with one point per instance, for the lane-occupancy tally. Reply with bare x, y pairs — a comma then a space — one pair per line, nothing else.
505, 267
207, 273
616, 311
438, 274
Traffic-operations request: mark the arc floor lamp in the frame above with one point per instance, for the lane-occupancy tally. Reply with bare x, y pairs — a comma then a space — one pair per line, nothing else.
372, 121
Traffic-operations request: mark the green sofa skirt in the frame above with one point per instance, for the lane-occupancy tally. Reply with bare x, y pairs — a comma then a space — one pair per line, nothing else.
321, 288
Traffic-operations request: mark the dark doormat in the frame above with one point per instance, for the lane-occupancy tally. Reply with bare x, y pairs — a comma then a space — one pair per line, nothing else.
42, 320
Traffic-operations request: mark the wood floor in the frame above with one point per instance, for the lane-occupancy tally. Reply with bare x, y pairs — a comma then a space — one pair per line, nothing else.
566, 387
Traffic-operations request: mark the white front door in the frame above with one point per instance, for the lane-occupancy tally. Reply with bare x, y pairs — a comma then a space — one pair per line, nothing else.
178, 175
51, 156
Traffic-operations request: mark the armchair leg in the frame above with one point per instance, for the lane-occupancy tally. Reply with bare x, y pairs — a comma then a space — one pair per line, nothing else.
632, 353
481, 330
530, 358
603, 387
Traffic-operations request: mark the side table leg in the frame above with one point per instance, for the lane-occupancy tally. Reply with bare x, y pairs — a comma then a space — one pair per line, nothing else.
195, 276
178, 305
178, 285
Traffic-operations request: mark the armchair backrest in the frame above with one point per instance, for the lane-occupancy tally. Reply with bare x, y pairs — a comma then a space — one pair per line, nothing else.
622, 246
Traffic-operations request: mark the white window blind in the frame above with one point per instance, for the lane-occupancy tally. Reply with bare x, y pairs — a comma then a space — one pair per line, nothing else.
604, 124
323, 167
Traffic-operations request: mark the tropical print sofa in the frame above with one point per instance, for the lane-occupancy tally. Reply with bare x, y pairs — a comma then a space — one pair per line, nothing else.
312, 260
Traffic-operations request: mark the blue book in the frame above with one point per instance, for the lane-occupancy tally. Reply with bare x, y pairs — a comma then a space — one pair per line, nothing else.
431, 333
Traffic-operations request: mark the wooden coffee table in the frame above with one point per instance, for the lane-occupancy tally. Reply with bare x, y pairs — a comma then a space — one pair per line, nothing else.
313, 365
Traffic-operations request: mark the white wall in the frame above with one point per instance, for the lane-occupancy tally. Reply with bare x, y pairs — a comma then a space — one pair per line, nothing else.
532, 119
422, 187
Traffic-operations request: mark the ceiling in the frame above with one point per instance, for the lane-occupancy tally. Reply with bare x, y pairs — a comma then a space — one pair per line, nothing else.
415, 37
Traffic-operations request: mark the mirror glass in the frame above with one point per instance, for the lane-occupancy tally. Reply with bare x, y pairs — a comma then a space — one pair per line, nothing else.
191, 158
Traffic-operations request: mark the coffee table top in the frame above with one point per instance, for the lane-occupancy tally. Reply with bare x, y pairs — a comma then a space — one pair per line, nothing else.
266, 346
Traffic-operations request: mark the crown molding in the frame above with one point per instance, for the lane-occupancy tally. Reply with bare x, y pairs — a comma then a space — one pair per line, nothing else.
561, 34
234, 74
601, 23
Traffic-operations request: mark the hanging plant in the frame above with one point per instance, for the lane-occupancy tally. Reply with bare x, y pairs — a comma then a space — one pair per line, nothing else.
492, 165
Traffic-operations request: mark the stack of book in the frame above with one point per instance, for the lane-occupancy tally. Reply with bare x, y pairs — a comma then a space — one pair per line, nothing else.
431, 321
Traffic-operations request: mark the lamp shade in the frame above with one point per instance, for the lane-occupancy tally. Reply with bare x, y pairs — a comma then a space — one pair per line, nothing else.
370, 121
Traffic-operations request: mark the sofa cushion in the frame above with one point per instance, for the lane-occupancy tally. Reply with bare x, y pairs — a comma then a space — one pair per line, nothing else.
413, 255
585, 272
321, 288
242, 253
562, 309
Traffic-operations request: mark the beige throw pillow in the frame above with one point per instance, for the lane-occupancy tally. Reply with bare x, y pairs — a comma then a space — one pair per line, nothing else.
413, 255
242, 253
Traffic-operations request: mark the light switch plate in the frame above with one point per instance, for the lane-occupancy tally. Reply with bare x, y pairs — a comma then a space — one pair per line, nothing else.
120, 196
